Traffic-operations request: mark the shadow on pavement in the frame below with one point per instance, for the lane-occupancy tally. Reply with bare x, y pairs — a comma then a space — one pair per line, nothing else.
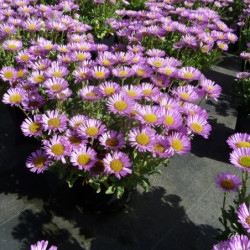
151, 220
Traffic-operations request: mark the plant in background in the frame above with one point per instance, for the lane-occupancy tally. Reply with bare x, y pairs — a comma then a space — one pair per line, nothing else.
195, 35
241, 87
236, 219
107, 116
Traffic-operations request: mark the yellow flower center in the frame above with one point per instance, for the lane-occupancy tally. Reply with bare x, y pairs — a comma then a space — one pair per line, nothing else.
185, 96
8, 74
120, 105
81, 57
64, 50
131, 93
151, 118
147, 92
135, 60
222, 45
159, 148
123, 73
57, 74
112, 142
116, 165
41, 67
168, 71
91, 95
99, 74
75, 140
56, 87
7, 30
109, 91
158, 64
189, 75
83, 159
245, 161
26, 10
32, 27
25, 57
39, 78
16, 98
248, 220
48, 47
227, 184
12, 46
92, 131
140, 72
106, 62
54, 122
243, 144
77, 124
177, 145
83, 48
20, 73
83, 75
35, 127
169, 120
37, 51
142, 139
197, 127
39, 162
57, 149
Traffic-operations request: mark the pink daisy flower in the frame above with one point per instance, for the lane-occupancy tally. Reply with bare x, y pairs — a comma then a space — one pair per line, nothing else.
179, 143
239, 140
134, 92
198, 125
120, 103
53, 121
172, 118
151, 115
109, 88
168, 70
240, 158
149, 90
160, 148
32, 127
170, 103
92, 128
8, 74
100, 72
57, 148
74, 139
244, 216
117, 163
55, 84
142, 71
112, 139
37, 77
142, 139
83, 73
123, 72
84, 158
42, 245
210, 88
228, 182
90, 93
38, 161
12, 45
77, 120
56, 71
189, 73
14, 96
193, 109
187, 93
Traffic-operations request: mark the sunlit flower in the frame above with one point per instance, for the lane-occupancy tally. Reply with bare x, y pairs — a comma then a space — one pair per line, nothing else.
112, 139
179, 143
239, 140
32, 127
244, 216
240, 158
14, 96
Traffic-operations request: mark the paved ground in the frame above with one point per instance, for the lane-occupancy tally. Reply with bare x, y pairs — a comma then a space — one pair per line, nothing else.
180, 211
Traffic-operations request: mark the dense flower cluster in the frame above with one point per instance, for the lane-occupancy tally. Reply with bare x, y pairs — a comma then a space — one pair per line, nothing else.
102, 113
177, 29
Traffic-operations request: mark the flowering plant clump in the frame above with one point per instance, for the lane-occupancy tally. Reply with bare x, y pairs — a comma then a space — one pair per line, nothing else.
241, 87
109, 116
236, 220
196, 35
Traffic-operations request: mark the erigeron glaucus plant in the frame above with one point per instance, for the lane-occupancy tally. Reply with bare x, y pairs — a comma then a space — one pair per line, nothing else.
195, 35
104, 115
236, 219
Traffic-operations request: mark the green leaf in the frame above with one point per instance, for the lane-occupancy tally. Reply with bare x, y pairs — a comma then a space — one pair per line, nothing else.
120, 191
110, 190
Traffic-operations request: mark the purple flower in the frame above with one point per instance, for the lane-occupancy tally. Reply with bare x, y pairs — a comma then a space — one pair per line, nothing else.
179, 143
189, 73
83, 158
14, 96
240, 158
117, 163
38, 161
244, 216
239, 140
42, 245
32, 127
112, 139
228, 182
